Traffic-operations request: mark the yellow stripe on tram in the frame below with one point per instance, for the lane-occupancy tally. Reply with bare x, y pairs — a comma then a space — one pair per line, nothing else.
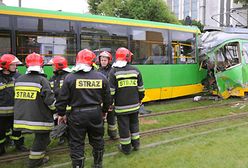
99, 20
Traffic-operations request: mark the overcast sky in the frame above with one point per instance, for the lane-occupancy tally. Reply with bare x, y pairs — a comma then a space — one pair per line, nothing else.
78, 6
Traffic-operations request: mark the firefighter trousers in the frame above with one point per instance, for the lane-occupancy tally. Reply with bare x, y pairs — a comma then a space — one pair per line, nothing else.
112, 127
6, 124
82, 121
128, 125
38, 150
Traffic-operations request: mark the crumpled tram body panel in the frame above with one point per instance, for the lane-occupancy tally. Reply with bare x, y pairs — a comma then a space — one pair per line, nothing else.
224, 53
230, 82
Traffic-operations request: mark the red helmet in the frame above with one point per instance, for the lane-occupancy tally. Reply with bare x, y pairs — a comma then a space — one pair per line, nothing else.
85, 57
106, 54
59, 62
123, 54
34, 60
8, 59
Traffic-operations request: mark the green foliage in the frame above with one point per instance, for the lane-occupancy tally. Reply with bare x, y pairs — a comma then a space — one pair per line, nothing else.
198, 24
117, 8
153, 10
194, 23
93, 5
241, 1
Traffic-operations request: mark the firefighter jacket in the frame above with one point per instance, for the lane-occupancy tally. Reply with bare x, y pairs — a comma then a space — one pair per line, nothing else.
105, 70
7, 93
34, 101
57, 80
84, 89
127, 90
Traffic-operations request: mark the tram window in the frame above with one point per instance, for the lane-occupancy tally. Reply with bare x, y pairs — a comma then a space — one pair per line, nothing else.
58, 25
4, 20
5, 45
227, 56
183, 47
149, 45
28, 23
45, 25
102, 37
245, 52
46, 44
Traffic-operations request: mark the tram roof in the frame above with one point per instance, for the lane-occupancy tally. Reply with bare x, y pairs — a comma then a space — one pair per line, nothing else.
9, 10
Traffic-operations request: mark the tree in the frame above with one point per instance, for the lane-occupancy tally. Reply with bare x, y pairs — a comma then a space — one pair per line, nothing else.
193, 23
241, 1
93, 5
117, 8
153, 10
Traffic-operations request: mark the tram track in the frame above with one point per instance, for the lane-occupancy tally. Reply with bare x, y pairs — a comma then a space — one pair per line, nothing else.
167, 129
194, 124
190, 109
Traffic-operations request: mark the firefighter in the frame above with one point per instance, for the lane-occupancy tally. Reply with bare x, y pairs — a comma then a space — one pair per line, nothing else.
34, 102
105, 59
8, 75
60, 70
84, 90
127, 91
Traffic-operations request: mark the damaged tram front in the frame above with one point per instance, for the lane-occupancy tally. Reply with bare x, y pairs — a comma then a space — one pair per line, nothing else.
224, 53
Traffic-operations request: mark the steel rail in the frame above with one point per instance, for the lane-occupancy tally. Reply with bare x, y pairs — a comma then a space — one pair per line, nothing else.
190, 109
10, 158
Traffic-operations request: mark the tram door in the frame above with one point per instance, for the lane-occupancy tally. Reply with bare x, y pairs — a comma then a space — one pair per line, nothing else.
5, 44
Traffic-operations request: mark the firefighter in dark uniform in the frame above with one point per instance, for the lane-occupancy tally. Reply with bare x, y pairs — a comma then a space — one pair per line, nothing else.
34, 102
84, 90
60, 70
127, 91
8, 75
105, 59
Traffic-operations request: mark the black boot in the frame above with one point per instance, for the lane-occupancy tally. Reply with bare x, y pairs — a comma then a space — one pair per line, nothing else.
22, 148
126, 149
9, 141
33, 163
78, 163
2, 149
19, 144
98, 155
112, 134
135, 144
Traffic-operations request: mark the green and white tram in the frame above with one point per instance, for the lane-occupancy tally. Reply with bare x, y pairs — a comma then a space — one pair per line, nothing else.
166, 54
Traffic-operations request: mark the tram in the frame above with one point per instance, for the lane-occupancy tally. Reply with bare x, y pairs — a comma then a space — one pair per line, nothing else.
224, 53
166, 54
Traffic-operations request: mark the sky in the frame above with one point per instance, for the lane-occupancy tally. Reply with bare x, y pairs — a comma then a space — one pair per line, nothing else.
77, 6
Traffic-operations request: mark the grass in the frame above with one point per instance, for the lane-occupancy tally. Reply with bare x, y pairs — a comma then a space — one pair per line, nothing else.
187, 153
212, 150
187, 103
180, 118
217, 150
